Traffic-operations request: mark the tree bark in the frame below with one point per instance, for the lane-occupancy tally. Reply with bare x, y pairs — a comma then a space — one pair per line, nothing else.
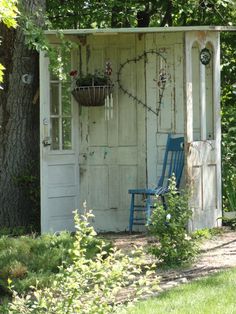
143, 18
116, 21
167, 20
19, 123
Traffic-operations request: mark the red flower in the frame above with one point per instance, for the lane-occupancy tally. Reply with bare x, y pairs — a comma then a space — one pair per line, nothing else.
108, 70
73, 72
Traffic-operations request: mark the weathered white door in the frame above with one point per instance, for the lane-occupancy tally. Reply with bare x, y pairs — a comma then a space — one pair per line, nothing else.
59, 152
165, 95
203, 128
112, 151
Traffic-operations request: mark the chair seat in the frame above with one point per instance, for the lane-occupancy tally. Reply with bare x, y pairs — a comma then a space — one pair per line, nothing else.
157, 191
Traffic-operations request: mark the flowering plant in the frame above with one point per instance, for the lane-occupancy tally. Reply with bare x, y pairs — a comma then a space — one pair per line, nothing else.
96, 79
92, 89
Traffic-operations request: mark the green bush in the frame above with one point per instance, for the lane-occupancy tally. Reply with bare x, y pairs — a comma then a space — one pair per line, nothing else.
15, 231
228, 100
230, 222
175, 246
88, 285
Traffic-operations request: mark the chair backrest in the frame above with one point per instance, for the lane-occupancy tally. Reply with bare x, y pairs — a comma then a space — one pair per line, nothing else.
173, 160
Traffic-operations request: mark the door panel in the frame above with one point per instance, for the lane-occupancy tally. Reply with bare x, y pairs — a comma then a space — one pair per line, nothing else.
197, 201
97, 128
166, 117
62, 175
210, 187
127, 107
98, 186
196, 93
210, 132
128, 177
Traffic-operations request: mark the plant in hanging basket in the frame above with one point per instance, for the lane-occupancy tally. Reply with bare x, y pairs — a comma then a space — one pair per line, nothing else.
91, 89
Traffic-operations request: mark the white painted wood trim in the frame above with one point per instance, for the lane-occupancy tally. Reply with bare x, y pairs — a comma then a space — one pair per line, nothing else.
203, 100
217, 117
188, 86
75, 129
44, 131
151, 119
141, 114
113, 31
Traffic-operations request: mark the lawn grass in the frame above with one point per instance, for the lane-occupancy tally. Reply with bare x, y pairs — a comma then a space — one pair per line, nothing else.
215, 294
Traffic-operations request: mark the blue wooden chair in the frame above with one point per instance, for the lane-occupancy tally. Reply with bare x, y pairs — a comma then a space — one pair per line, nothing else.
173, 164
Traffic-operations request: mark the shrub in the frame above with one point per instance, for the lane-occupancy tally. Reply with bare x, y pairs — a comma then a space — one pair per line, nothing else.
15, 231
175, 246
88, 285
230, 222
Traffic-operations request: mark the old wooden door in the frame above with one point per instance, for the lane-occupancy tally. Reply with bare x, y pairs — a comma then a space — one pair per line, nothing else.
166, 98
203, 128
112, 150
59, 152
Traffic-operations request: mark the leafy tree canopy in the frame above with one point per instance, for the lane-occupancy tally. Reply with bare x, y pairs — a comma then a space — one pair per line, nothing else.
131, 13
8, 14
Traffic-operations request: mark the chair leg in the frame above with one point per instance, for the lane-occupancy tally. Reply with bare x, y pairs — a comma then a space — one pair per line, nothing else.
163, 202
131, 214
148, 209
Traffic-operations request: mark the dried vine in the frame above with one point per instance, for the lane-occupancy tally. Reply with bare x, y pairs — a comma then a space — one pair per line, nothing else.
161, 83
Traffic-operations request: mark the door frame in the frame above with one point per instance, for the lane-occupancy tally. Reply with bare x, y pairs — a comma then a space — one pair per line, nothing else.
44, 131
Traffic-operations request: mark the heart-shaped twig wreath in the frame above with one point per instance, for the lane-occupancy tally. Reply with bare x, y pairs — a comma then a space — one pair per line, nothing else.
161, 83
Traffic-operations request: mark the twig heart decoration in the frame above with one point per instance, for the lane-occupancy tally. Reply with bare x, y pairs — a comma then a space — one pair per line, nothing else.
161, 83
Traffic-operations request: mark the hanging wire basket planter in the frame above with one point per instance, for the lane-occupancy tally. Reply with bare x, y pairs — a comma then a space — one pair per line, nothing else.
92, 89
89, 96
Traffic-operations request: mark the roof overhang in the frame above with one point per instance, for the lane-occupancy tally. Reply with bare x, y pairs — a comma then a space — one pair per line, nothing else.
113, 31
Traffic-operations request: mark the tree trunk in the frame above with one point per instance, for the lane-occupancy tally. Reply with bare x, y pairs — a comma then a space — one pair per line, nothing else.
167, 20
19, 124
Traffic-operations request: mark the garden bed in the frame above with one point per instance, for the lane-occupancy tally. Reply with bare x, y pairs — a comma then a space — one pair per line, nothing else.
216, 254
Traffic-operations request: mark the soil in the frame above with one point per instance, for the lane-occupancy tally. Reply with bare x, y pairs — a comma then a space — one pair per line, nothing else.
216, 254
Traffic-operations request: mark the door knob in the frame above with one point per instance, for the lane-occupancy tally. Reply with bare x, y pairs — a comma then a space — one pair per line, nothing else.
47, 141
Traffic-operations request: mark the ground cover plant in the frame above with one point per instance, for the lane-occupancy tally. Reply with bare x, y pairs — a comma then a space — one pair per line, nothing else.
27, 259
32, 260
89, 284
214, 294
206, 233
105, 272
